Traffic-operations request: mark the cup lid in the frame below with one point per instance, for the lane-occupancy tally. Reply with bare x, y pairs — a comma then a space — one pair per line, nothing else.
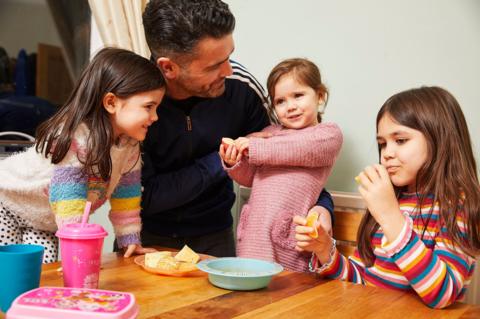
77, 231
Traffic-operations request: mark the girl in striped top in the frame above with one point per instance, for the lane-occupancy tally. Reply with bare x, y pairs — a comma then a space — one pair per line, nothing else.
89, 150
421, 231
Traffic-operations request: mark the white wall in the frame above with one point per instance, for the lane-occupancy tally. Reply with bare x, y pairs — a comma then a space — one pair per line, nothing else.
24, 24
367, 51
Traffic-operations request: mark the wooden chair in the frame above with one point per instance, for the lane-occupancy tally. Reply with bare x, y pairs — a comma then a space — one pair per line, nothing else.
349, 210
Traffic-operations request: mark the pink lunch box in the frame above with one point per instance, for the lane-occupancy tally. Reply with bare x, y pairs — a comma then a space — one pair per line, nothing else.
73, 303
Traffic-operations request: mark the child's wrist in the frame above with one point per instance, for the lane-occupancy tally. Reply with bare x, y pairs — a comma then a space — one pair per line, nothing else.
322, 261
326, 255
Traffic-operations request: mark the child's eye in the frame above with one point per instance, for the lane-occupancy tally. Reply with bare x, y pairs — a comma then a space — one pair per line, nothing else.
279, 102
298, 95
401, 141
381, 145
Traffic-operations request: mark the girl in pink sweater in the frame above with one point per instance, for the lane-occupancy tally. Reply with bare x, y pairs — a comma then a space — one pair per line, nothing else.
287, 170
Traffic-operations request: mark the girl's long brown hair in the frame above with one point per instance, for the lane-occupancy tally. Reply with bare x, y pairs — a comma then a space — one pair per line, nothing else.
118, 71
450, 172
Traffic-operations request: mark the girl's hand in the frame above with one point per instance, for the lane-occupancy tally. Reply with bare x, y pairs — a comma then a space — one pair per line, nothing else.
242, 144
320, 246
229, 154
137, 250
377, 190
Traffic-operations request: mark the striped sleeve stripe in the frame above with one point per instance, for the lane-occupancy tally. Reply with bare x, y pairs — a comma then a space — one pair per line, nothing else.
67, 191
237, 68
245, 77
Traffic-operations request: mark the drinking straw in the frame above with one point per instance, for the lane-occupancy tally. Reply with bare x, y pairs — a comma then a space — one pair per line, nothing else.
86, 213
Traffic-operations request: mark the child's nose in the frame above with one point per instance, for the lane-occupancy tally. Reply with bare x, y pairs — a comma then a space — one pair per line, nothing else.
153, 116
388, 152
291, 105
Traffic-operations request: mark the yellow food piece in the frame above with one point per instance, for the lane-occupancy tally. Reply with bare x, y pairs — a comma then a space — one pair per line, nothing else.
152, 259
357, 179
311, 219
168, 263
187, 266
187, 255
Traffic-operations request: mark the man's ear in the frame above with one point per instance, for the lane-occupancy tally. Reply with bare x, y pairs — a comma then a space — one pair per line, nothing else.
109, 101
169, 68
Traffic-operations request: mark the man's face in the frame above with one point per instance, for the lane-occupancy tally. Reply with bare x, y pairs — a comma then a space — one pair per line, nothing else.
205, 75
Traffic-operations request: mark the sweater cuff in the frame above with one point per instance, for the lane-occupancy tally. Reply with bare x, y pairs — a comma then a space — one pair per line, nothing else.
401, 241
130, 239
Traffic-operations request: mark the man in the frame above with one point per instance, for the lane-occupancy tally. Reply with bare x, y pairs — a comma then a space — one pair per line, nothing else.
187, 195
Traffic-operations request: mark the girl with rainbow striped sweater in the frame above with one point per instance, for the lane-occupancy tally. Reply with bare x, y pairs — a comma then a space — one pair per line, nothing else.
421, 231
89, 150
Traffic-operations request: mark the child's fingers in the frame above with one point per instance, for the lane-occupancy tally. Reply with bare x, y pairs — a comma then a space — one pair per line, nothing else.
299, 249
303, 244
299, 220
221, 151
382, 172
302, 233
372, 174
129, 251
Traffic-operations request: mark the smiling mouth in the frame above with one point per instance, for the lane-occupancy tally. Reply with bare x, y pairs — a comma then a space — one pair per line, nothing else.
294, 117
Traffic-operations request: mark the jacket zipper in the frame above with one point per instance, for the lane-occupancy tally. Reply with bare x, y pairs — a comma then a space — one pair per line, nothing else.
189, 123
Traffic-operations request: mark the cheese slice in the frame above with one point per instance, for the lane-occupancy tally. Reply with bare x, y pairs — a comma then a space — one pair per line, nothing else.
187, 255
152, 259
168, 263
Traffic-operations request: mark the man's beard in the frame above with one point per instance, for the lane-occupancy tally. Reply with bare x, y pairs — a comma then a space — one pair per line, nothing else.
216, 91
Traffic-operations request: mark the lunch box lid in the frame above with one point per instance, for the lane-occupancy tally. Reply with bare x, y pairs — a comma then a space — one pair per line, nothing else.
73, 303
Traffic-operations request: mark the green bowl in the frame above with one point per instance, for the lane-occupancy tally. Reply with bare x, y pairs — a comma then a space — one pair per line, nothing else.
236, 273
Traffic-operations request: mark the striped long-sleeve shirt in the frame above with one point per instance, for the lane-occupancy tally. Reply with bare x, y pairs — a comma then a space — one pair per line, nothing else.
429, 265
47, 196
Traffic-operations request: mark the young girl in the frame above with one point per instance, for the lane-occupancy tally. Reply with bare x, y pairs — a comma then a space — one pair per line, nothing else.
89, 150
421, 230
286, 171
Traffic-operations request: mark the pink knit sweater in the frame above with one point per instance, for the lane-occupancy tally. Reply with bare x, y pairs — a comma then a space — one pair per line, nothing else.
287, 172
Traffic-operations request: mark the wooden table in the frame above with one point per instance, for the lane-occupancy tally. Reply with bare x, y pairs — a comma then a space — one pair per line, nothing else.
289, 295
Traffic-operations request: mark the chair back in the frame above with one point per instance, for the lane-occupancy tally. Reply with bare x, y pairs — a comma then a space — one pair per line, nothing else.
349, 210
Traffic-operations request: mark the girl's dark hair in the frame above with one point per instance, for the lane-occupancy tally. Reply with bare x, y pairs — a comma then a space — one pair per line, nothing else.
174, 27
450, 172
304, 71
118, 71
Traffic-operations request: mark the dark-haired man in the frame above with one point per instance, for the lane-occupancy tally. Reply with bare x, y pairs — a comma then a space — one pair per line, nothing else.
187, 195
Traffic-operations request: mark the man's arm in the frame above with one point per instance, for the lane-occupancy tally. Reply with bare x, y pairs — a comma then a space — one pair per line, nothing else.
169, 190
325, 201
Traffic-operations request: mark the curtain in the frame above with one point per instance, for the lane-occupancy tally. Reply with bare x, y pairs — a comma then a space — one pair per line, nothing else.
120, 24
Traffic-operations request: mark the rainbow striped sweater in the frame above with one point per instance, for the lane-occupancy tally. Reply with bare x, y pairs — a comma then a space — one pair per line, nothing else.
47, 196
429, 266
